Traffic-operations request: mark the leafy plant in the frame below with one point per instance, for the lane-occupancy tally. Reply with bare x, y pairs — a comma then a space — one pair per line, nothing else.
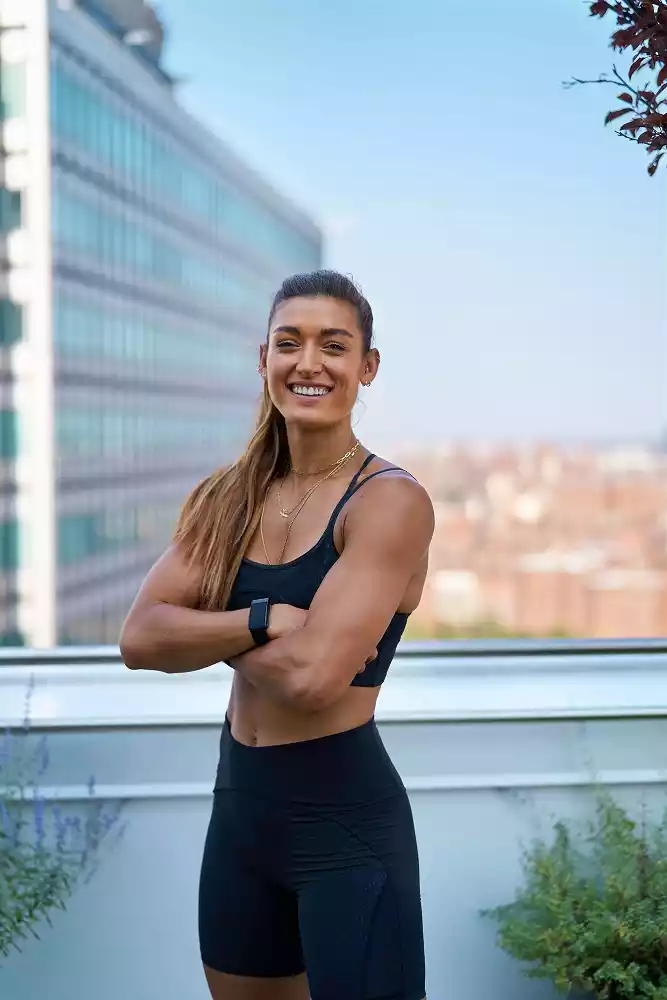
45, 851
592, 914
642, 28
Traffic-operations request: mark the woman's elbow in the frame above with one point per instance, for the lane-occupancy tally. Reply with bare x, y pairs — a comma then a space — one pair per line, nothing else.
312, 693
132, 656
135, 652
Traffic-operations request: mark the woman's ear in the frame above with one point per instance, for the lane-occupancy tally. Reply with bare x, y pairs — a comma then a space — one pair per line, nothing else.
371, 366
261, 367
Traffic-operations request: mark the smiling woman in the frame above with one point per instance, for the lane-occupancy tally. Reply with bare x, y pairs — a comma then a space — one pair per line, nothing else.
299, 565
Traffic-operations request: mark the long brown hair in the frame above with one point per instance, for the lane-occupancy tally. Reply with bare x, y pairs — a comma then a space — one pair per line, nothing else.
220, 517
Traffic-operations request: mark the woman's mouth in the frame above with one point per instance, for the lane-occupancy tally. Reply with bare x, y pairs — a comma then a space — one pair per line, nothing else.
309, 390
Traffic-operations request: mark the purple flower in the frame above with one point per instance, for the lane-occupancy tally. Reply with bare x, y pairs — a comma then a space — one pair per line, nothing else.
39, 810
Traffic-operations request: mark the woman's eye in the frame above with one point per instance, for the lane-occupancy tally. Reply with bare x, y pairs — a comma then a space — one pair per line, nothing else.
335, 347
286, 343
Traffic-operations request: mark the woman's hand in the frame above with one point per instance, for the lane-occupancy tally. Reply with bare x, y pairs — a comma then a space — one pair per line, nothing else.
285, 619
369, 659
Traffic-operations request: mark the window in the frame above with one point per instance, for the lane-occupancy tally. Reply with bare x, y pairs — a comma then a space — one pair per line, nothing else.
113, 529
8, 436
9, 545
12, 90
10, 210
12, 638
77, 537
156, 164
11, 322
137, 428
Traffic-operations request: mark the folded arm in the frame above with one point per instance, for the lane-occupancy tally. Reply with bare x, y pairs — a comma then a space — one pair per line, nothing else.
387, 533
164, 629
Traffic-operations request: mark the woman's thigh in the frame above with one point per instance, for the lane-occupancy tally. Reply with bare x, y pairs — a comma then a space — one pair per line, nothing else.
360, 913
248, 925
226, 987
362, 937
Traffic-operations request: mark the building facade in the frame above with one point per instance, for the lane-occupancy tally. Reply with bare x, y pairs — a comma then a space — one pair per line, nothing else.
139, 259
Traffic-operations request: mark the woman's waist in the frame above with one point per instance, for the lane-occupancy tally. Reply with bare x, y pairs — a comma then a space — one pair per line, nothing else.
347, 765
259, 721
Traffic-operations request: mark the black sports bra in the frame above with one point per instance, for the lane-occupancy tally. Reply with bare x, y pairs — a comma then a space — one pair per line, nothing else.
296, 582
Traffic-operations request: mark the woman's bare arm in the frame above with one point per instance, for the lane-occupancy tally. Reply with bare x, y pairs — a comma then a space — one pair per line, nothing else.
165, 631
387, 534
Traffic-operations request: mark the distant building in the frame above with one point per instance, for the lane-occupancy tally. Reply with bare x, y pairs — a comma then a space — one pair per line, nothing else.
549, 542
139, 256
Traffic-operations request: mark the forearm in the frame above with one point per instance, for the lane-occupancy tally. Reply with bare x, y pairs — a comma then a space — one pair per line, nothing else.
280, 669
177, 640
298, 670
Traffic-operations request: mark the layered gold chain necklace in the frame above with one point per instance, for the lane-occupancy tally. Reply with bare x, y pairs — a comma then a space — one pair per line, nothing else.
291, 515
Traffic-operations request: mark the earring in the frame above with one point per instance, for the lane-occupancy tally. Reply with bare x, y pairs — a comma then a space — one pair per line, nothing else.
366, 384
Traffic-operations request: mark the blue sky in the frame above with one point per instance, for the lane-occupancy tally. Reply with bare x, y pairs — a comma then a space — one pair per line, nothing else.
514, 250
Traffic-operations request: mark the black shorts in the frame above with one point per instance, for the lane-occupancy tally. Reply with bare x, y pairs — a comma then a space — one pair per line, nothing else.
310, 864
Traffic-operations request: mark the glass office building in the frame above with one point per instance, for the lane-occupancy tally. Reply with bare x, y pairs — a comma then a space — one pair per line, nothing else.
139, 259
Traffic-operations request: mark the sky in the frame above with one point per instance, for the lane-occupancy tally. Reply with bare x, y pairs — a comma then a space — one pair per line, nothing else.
514, 250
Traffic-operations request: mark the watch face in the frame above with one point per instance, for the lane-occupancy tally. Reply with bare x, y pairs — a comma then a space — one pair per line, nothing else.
259, 615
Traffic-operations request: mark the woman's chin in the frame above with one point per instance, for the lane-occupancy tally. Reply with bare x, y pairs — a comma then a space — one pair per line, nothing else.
298, 416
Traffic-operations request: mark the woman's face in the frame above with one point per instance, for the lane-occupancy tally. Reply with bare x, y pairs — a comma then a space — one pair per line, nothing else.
315, 360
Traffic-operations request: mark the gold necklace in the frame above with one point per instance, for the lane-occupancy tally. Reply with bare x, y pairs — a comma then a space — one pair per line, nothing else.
284, 512
299, 507
317, 472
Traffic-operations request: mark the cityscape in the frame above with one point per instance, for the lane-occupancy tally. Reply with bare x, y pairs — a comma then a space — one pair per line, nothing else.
545, 540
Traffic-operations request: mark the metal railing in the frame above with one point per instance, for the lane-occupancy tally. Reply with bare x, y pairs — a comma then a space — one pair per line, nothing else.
410, 649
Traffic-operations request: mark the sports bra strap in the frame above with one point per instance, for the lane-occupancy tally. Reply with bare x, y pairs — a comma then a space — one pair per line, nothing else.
355, 479
356, 484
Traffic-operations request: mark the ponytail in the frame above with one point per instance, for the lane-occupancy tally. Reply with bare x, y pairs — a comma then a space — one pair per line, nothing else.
220, 517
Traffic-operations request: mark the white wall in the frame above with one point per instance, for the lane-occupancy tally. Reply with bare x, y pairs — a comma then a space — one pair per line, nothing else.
491, 748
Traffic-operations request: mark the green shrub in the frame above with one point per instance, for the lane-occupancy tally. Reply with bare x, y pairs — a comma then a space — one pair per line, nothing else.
592, 912
45, 851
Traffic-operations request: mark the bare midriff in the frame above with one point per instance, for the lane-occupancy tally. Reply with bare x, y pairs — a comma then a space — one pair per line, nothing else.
258, 721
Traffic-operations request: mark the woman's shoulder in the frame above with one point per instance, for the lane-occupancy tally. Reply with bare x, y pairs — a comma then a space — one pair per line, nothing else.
391, 471
395, 487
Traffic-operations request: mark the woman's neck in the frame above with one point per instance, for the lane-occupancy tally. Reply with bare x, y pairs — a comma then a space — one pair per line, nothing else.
311, 451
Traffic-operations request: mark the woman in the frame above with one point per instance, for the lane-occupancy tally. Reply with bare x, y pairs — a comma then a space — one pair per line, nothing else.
299, 565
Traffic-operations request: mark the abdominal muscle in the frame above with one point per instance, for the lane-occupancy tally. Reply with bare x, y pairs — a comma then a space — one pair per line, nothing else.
258, 721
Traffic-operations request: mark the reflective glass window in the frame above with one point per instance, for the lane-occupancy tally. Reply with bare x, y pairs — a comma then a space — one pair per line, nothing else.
8, 434
9, 545
10, 210
151, 161
12, 90
11, 322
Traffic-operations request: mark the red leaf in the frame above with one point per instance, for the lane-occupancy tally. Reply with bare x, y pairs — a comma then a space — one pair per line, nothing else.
642, 36
662, 76
628, 98
653, 165
599, 8
617, 114
637, 64
645, 137
646, 95
633, 125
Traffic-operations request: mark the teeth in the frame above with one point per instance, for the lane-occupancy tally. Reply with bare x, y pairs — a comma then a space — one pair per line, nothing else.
308, 390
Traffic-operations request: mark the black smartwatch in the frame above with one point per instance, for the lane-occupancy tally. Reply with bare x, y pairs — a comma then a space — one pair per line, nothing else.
258, 620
